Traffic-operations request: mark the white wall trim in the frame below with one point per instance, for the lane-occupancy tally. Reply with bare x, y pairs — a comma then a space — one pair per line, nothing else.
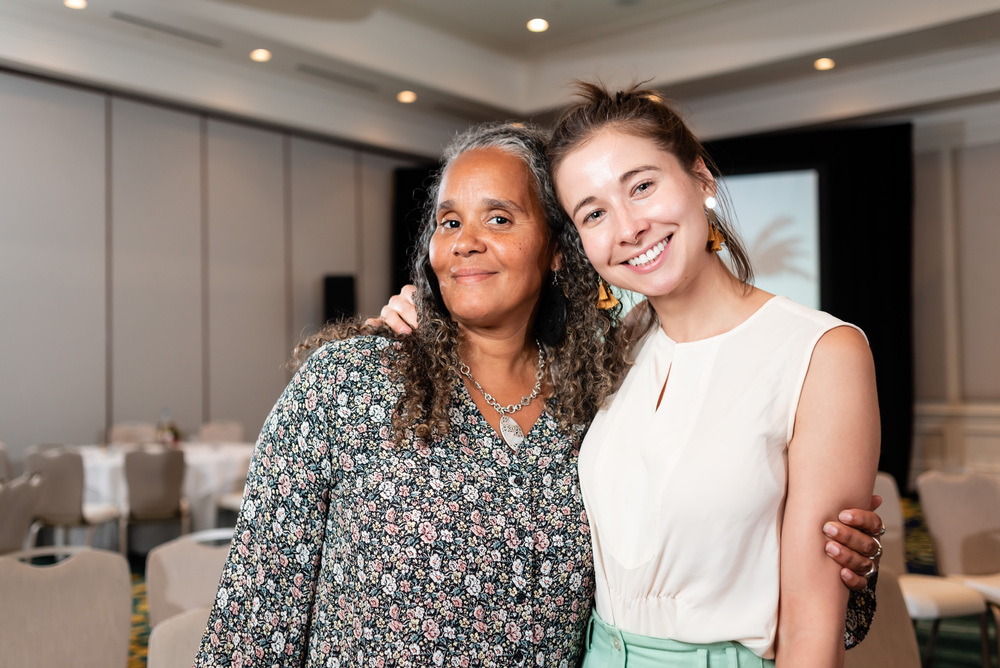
955, 437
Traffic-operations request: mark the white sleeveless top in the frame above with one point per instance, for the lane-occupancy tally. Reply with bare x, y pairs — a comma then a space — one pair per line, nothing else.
685, 502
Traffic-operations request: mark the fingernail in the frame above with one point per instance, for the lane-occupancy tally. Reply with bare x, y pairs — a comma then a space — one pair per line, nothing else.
833, 549
830, 529
846, 516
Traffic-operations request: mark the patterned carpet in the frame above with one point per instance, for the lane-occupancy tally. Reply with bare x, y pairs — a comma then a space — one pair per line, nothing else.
957, 644
140, 623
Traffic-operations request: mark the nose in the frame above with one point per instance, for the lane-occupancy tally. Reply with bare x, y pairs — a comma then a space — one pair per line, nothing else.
468, 240
631, 226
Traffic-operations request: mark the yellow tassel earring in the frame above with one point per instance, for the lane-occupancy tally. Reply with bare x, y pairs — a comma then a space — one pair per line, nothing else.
605, 298
715, 236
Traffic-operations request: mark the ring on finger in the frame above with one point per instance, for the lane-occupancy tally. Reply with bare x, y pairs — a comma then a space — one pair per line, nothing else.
881, 531
872, 570
878, 553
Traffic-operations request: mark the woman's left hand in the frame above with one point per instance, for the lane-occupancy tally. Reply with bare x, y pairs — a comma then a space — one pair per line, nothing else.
853, 542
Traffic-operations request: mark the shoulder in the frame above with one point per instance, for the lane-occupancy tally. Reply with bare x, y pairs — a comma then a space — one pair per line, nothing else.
814, 322
358, 353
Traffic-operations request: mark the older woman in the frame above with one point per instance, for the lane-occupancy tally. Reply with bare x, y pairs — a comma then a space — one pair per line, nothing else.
416, 502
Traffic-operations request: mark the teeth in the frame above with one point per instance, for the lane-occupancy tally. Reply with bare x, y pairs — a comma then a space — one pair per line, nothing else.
649, 255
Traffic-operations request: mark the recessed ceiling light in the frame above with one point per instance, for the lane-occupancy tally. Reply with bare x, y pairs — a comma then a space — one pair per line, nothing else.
75, 4
538, 25
824, 64
406, 96
260, 55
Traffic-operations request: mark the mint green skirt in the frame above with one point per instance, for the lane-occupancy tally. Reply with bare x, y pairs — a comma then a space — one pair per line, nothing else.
609, 647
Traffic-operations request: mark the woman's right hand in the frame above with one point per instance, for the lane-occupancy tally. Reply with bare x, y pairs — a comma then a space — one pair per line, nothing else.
400, 314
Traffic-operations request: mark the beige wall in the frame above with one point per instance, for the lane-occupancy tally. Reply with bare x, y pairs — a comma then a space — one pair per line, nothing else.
956, 286
156, 258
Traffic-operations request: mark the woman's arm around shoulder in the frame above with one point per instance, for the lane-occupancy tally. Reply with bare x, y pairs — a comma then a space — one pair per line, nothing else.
832, 461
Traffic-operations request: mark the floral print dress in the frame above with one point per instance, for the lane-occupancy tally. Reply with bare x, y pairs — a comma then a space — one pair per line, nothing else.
352, 551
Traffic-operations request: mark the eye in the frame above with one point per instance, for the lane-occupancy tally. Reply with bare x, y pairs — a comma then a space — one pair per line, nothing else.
594, 215
642, 187
449, 224
499, 220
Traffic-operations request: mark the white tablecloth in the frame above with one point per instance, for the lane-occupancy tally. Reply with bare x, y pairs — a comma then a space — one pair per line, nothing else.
212, 469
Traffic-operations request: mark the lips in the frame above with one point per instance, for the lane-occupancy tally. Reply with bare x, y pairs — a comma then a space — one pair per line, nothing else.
648, 256
470, 273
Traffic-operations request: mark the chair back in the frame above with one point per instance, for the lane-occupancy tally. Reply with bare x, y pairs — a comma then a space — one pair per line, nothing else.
132, 432
184, 573
18, 498
891, 512
891, 641
6, 466
221, 431
963, 520
174, 642
60, 501
76, 612
155, 481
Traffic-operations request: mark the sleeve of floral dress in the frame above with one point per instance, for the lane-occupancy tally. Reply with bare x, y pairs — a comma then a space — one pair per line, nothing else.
262, 610
860, 613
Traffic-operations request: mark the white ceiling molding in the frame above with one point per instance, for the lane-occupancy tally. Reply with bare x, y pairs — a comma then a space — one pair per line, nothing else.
739, 65
863, 92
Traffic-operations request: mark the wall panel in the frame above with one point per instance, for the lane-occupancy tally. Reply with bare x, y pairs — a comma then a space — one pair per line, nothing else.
247, 321
928, 283
156, 265
52, 264
323, 231
979, 277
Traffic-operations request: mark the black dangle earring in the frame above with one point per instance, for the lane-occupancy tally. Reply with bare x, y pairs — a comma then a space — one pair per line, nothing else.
551, 322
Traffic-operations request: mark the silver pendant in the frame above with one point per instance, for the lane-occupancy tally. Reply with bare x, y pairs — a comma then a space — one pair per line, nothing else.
510, 431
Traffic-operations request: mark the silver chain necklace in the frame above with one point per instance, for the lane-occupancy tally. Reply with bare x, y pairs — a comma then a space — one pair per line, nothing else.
509, 429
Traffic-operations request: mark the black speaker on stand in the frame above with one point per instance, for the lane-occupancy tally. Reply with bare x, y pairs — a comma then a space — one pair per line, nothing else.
338, 298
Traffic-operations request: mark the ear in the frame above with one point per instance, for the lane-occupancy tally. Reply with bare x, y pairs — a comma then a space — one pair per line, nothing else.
701, 172
556, 263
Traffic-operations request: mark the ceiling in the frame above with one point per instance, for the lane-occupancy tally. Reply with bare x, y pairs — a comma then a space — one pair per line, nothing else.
471, 60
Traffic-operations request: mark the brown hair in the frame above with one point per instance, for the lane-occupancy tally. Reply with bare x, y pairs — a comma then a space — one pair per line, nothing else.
646, 114
584, 365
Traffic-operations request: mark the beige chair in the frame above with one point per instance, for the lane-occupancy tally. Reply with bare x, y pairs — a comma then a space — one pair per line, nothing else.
18, 498
76, 612
174, 643
891, 642
221, 431
963, 519
232, 500
928, 597
184, 573
132, 432
154, 477
60, 503
6, 466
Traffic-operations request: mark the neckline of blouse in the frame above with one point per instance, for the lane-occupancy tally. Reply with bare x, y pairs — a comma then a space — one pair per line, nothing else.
659, 333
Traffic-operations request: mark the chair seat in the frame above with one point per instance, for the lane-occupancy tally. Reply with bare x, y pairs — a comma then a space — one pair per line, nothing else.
231, 501
99, 513
987, 585
934, 597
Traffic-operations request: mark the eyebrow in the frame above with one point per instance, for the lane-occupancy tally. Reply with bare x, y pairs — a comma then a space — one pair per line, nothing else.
621, 179
490, 202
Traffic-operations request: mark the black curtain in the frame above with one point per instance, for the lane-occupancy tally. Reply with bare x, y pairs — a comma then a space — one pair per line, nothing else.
866, 248
410, 193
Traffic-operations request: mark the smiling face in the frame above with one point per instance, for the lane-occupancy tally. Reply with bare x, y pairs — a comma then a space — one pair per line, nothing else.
491, 248
639, 213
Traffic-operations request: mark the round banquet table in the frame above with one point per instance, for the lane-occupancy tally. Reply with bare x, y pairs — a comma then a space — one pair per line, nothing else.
211, 470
